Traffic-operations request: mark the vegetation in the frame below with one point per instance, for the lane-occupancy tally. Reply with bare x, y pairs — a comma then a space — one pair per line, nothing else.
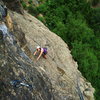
78, 24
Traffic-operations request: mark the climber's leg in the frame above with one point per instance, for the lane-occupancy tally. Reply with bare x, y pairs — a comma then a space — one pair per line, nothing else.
44, 55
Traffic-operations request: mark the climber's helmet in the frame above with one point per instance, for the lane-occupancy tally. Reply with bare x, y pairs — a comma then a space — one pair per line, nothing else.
38, 48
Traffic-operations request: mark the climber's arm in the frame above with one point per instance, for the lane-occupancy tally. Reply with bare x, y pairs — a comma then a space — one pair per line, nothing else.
40, 54
35, 52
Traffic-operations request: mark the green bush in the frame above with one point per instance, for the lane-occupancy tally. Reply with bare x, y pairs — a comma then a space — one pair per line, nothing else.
32, 10
95, 2
24, 4
30, 1
41, 19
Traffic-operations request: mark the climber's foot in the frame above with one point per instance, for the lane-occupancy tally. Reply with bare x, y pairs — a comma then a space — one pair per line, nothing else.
44, 56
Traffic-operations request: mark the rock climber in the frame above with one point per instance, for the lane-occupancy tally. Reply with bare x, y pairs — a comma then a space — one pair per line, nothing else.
42, 51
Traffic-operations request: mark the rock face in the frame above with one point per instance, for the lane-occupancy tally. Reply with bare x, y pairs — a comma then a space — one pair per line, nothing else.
54, 78
15, 64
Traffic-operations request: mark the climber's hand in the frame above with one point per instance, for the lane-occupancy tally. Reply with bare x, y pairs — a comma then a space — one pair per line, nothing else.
35, 53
